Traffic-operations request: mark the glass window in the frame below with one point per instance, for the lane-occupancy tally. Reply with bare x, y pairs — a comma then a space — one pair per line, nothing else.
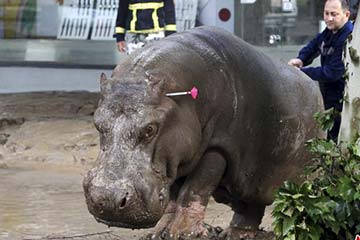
29, 19
78, 31
65, 32
285, 22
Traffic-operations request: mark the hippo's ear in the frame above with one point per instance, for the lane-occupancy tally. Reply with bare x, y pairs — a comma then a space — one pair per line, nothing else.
154, 78
103, 83
172, 86
161, 81
155, 82
102, 78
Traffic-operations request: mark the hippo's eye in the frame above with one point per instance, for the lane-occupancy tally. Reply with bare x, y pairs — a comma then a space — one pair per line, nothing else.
148, 132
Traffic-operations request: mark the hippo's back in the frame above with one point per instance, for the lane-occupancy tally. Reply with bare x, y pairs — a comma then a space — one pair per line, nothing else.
270, 115
263, 109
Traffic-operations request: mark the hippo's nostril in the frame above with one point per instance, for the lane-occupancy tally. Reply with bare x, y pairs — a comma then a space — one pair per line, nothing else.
122, 203
102, 204
122, 200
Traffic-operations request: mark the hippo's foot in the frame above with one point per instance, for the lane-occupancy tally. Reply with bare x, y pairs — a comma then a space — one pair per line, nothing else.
165, 220
233, 233
189, 221
185, 223
245, 221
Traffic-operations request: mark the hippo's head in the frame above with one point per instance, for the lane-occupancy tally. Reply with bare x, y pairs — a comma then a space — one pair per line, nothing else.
146, 141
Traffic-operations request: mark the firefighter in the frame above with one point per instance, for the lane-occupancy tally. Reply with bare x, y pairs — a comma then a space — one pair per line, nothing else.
141, 21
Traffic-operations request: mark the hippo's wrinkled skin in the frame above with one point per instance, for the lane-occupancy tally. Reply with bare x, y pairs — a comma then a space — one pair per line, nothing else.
162, 157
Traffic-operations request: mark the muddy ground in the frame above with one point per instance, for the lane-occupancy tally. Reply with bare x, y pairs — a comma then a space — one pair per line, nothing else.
47, 143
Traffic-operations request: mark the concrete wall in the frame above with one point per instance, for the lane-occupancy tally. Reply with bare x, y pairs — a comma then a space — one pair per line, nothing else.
22, 78
30, 79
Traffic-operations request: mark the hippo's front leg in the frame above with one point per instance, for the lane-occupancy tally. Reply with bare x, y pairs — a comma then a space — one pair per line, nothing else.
194, 196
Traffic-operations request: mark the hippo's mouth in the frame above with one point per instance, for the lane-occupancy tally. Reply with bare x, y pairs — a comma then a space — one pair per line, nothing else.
124, 225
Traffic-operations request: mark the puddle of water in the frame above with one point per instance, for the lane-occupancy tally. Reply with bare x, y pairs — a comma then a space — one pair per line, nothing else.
37, 203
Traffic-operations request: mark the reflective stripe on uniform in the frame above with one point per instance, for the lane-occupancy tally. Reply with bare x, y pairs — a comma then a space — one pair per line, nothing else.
152, 30
155, 18
119, 30
149, 5
170, 27
133, 20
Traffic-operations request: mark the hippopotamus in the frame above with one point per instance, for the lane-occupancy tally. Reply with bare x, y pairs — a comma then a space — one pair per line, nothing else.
162, 157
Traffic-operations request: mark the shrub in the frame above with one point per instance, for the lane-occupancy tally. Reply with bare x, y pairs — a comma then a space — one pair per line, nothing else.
327, 204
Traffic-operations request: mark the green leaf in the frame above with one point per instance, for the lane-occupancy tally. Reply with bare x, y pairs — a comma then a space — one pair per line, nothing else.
288, 225
290, 237
279, 209
297, 196
355, 148
327, 204
335, 227
303, 226
306, 187
285, 194
300, 208
326, 118
289, 212
313, 196
356, 196
315, 233
345, 188
277, 228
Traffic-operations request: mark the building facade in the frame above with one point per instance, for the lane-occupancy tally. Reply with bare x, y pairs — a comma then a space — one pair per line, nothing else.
79, 33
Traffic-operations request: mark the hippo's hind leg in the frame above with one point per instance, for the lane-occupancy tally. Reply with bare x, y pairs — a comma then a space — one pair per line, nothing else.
246, 220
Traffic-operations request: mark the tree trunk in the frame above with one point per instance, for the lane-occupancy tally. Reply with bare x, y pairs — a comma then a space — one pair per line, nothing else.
350, 123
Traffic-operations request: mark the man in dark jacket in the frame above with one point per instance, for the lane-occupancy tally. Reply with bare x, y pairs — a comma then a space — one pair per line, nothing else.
329, 44
143, 21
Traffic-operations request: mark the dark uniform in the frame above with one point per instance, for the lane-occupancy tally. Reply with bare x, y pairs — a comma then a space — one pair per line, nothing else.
145, 17
330, 74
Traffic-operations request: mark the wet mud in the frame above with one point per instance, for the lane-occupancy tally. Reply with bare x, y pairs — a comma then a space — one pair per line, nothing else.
47, 143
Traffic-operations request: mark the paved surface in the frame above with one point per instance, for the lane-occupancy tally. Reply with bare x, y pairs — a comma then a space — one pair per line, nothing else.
59, 53
28, 65
79, 53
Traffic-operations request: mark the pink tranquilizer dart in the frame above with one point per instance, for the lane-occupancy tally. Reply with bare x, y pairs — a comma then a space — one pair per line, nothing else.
193, 92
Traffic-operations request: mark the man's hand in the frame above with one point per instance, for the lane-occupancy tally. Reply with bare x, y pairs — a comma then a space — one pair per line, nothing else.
296, 62
121, 46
